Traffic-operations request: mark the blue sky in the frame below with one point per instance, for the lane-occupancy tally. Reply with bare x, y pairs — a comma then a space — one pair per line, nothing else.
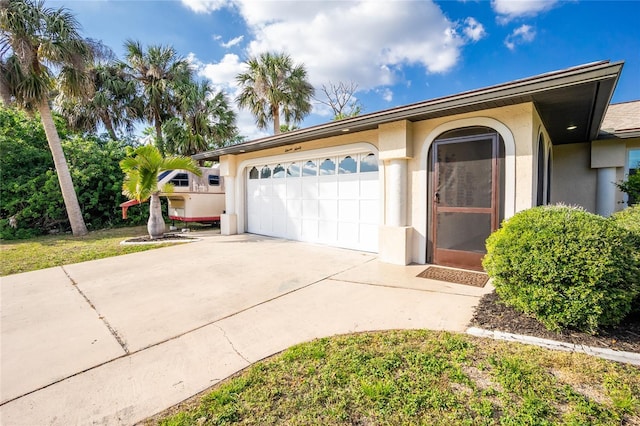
397, 52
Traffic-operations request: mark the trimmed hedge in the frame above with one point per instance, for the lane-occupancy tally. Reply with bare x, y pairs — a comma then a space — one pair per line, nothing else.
565, 266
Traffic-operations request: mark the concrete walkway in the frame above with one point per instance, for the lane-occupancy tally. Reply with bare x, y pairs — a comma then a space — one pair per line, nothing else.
117, 340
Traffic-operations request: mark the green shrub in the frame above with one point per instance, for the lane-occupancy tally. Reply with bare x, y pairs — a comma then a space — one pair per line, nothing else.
567, 267
629, 219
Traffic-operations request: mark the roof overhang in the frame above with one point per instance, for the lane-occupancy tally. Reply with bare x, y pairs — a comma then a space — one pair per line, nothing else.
571, 104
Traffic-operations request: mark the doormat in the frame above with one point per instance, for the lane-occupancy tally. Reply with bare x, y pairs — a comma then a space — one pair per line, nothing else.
476, 279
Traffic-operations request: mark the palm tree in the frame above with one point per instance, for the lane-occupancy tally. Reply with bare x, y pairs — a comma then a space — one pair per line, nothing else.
274, 85
158, 71
141, 181
206, 121
32, 39
114, 102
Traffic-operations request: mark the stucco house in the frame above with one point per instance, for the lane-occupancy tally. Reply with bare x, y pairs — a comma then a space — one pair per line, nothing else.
428, 182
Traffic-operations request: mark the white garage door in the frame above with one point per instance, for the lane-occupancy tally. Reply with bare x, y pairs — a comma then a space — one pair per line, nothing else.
330, 200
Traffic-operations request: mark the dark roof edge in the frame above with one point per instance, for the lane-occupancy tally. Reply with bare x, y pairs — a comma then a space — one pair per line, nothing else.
595, 71
618, 134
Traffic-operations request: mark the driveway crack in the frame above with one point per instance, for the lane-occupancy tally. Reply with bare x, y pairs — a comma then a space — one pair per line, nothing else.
224, 333
112, 330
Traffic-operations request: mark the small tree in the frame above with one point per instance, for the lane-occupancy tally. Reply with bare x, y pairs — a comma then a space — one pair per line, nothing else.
631, 187
340, 98
141, 181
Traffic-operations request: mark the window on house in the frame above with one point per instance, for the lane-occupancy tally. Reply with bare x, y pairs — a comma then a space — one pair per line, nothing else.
310, 169
368, 163
278, 171
253, 173
180, 179
265, 173
328, 167
214, 180
347, 165
633, 168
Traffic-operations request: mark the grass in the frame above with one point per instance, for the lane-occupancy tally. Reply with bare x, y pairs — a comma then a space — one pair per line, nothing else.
55, 250
419, 377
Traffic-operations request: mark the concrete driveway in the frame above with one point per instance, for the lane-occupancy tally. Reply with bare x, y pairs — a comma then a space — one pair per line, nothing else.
117, 340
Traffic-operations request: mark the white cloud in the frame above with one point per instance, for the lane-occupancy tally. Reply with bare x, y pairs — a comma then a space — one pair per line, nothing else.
522, 34
473, 29
386, 94
232, 42
365, 41
508, 10
205, 6
362, 41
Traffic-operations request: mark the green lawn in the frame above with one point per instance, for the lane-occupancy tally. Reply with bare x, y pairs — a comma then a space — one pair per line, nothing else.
419, 377
55, 250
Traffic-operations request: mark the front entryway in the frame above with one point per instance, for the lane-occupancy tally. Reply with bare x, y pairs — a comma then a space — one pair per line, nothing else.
465, 198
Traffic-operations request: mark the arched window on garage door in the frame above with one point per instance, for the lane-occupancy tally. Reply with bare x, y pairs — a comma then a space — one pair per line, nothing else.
368, 163
265, 173
347, 165
253, 173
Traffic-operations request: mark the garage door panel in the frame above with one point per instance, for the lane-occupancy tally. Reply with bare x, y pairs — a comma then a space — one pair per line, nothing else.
328, 209
294, 188
327, 187
310, 209
369, 211
294, 228
348, 233
310, 230
369, 187
349, 187
265, 189
348, 210
294, 208
279, 189
309, 188
327, 231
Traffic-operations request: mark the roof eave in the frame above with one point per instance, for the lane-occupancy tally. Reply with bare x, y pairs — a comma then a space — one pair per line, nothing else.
476, 99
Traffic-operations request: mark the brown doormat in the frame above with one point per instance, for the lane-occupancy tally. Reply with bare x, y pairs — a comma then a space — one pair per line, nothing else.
476, 279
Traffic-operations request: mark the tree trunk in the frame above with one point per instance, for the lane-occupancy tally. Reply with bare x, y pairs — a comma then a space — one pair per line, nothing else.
108, 124
276, 119
69, 196
159, 141
155, 225
5, 93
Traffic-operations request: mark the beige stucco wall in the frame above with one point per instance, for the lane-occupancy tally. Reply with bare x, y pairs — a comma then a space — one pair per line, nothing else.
575, 170
574, 181
519, 126
370, 136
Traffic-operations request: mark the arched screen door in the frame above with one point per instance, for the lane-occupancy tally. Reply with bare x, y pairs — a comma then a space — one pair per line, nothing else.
465, 199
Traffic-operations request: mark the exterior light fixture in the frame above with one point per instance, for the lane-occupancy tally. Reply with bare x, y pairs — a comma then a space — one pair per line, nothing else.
572, 127
345, 130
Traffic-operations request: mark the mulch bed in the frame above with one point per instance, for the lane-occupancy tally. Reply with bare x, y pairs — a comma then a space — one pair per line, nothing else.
491, 314
165, 238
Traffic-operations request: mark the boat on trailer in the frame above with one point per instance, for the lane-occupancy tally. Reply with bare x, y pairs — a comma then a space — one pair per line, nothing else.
194, 198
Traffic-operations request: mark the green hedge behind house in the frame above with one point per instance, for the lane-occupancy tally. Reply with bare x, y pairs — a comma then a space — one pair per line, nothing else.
29, 188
